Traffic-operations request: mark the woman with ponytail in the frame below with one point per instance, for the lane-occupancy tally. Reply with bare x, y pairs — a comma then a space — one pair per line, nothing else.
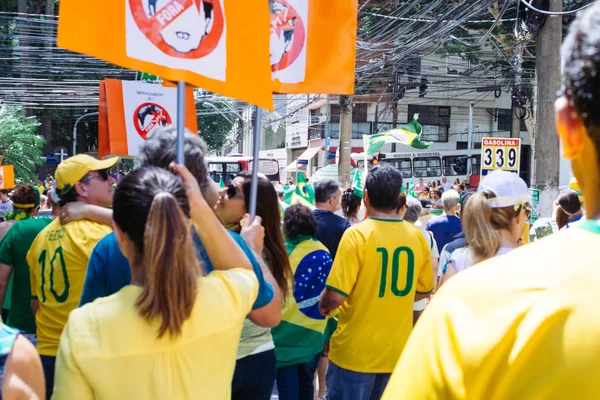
350, 206
173, 333
256, 367
493, 221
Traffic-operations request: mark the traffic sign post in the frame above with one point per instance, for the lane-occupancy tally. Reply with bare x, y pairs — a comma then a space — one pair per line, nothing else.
50, 159
500, 153
535, 204
61, 153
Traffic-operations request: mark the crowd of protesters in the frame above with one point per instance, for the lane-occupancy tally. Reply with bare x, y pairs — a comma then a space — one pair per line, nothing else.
157, 283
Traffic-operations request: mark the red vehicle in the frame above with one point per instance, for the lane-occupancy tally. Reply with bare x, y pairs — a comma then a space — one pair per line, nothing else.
228, 167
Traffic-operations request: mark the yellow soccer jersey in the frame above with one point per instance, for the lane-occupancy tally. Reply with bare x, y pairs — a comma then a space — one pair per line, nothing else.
523, 326
58, 261
378, 266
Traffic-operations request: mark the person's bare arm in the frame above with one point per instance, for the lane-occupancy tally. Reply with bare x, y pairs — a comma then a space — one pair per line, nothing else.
78, 211
221, 248
23, 373
253, 234
5, 271
450, 272
421, 296
435, 266
330, 301
268, 316
35, 305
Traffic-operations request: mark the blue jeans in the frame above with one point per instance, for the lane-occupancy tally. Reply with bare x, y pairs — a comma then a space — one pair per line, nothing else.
48, 363
254, 376
295, 382
343, 384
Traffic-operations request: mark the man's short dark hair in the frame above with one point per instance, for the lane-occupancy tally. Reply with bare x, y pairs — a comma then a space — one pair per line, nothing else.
161, 149
568, 200
581, 69
383, 187
325, 190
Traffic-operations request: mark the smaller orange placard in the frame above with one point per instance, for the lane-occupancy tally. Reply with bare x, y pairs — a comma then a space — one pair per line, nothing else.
7, 177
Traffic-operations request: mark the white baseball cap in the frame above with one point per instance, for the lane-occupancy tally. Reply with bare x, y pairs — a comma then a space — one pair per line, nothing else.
509, 189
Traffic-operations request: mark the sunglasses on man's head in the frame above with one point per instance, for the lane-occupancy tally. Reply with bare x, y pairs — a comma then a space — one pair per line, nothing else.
232, 192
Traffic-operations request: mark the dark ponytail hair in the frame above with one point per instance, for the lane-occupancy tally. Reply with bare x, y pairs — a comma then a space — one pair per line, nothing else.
350, 203
267, 208
152, 208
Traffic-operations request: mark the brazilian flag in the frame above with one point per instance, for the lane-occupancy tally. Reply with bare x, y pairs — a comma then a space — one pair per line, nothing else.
304, 193
409, 135
357, 185
299, 336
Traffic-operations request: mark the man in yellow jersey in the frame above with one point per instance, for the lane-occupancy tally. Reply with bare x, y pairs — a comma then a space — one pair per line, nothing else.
525, 325
382, 266
59, 255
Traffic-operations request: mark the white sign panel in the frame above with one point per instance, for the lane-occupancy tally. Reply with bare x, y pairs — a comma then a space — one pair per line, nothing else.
188, 33
289, 28
146, 106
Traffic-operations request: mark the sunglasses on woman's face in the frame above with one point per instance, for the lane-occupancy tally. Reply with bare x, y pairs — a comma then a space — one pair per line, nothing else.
232, 192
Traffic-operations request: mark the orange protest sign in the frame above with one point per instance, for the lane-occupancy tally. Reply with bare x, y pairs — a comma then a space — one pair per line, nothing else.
7, 177
129, 110
313, 45
218, 45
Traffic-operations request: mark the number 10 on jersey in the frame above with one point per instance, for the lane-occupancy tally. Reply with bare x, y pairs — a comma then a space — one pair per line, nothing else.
500, 153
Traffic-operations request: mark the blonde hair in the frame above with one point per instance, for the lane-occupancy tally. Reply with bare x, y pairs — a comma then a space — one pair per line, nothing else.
482, 224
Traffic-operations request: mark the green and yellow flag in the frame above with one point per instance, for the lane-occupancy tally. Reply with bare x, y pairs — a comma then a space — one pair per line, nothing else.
221, 183
357, 185
409, 135
304, 193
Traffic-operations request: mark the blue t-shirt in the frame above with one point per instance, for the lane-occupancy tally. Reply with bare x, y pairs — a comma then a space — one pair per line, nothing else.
330, 229
108, 270
444, 229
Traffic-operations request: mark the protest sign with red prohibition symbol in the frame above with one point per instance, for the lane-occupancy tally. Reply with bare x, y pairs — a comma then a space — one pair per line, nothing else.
313, 45
130, 110
219, 45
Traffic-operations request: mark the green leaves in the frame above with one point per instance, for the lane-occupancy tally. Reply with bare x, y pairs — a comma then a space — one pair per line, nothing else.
214, 125
20, 144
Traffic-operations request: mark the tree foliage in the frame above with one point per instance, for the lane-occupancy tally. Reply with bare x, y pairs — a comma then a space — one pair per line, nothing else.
20, 144
214, 126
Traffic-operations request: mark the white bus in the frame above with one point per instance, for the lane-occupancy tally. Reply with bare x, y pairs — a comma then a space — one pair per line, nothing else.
429, 165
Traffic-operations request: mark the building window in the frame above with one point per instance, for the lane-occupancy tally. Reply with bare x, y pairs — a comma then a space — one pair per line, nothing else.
505, 120
434, 120
427, 167
358, 130
359, 112
403, 164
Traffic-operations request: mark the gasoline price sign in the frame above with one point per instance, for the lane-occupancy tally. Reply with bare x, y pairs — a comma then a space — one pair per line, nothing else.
500, 153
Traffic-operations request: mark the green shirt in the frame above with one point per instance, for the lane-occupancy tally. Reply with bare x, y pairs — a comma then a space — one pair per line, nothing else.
13, 251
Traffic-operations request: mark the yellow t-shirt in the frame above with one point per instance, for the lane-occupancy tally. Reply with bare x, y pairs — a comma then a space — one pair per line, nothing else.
523, 326
107, 351
378, 266
58, 261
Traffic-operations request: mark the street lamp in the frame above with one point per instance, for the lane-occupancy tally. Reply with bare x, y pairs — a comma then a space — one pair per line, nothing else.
75, 129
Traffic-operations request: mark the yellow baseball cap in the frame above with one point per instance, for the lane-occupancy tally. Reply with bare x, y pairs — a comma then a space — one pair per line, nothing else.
73, 169
575, 186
